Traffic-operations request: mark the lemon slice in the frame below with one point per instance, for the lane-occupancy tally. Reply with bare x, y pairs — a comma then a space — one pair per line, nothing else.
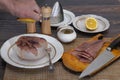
91, 23
26, 20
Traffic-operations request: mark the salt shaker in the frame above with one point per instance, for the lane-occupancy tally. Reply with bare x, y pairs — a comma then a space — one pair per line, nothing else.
66, 34
46, 12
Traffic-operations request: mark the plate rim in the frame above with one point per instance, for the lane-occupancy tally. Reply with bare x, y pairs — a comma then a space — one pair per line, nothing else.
104, 19
22, 63
62, 23
57, 57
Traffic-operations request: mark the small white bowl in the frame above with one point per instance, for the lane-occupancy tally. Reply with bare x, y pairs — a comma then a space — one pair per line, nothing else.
66, 34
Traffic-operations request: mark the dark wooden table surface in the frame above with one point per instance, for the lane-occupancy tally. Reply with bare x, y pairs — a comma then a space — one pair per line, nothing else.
109, 9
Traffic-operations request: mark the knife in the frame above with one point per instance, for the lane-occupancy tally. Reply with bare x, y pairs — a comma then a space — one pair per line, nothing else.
102, 60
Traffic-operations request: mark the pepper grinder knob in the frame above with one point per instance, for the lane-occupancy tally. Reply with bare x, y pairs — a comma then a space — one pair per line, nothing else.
46, 12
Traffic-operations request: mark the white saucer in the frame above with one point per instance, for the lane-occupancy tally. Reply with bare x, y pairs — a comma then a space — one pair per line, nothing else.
8, 53
79, 23
68, 18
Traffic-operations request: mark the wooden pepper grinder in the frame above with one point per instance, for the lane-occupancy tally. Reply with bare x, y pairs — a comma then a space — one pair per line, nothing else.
46, 12
31, 27
31, 24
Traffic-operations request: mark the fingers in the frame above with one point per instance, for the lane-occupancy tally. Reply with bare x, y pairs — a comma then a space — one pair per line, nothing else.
26, 9
36, 16
29, 13
36, 12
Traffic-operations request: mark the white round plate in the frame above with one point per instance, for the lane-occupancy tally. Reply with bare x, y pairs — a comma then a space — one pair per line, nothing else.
79, 23
68, 18
8, 53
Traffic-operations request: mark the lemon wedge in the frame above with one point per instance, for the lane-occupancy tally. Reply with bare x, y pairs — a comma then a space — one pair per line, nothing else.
91, 23
26, 20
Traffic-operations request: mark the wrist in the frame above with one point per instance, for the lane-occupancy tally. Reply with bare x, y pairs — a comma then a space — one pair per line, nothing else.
5, 4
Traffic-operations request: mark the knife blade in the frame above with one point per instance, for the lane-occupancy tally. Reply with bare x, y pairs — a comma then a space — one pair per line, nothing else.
102, 60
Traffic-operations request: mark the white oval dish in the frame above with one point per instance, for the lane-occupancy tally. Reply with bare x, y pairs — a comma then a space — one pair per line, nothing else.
79, 23
8, 53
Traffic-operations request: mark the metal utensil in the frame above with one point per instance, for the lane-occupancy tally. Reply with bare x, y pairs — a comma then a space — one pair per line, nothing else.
57, 15
51, 66
102, 60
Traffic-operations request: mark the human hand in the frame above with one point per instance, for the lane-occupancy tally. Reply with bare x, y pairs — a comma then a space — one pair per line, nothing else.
23, 8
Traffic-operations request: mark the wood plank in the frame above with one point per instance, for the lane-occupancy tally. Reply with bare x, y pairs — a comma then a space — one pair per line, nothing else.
80, 2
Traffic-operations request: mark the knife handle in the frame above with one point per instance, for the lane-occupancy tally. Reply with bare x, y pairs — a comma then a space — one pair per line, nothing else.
114, 43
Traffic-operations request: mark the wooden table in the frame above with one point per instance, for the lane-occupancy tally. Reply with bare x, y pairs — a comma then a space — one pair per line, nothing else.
109, 9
